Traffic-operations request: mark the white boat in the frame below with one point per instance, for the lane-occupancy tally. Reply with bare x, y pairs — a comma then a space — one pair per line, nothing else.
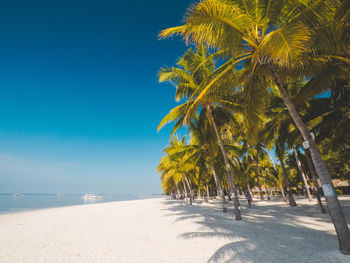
92, 197
17, 195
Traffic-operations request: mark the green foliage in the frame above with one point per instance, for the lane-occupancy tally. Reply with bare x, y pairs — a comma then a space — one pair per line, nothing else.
306, 42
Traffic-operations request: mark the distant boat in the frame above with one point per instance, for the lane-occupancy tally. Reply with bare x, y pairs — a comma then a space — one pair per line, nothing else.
60, 195
17, 195
92, 197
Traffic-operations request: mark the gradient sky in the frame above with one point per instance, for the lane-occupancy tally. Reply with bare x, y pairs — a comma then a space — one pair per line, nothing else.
79, 97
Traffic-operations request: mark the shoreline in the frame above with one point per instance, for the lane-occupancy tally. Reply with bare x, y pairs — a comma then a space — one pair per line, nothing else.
23, 210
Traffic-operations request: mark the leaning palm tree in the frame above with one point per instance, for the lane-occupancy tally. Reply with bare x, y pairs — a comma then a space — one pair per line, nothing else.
188, 78
273, 39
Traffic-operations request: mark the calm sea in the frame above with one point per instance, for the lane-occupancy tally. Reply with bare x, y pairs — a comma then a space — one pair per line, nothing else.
10, 203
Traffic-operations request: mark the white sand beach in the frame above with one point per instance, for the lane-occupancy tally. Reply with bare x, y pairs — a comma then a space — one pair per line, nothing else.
165, 230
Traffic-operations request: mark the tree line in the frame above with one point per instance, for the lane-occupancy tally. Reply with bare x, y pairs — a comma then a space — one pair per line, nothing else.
249, 85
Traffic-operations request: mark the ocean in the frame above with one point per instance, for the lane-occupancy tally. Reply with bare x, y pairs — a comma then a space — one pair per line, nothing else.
12, 203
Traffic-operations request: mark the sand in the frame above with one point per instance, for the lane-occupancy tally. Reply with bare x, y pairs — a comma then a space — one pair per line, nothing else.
165, 230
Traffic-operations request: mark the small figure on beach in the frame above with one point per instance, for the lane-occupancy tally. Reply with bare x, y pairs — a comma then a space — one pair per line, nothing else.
249, 199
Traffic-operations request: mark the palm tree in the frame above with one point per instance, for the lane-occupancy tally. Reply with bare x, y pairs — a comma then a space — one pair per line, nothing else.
318, 113
280, 151
302, 173
203, 151
188, 78
325, 116
203, 139
328, 118
273, 38
314, 179
280, 181
172, 170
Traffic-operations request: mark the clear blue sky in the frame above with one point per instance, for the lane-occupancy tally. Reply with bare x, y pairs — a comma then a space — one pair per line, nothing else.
79, 97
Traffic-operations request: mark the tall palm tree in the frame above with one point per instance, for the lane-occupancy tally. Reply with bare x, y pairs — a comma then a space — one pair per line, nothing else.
194, 70
273, 38
203, 150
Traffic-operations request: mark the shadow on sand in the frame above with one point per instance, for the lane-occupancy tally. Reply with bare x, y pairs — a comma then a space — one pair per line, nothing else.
269, 232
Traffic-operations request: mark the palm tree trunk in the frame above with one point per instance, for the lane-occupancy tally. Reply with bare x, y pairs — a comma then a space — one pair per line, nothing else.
189, 188
227, 166
208, 195
282, 193
216, 179
286, 179
226, 189
221, 192
314, 179
178, 190
185, 190
182, 190
334, 207
301, 170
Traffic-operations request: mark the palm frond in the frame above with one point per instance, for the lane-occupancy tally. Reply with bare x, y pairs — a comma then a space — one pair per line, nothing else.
215, 23
174, 114
286, 47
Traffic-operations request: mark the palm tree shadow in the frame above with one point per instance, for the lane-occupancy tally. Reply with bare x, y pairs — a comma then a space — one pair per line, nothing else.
268, 233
